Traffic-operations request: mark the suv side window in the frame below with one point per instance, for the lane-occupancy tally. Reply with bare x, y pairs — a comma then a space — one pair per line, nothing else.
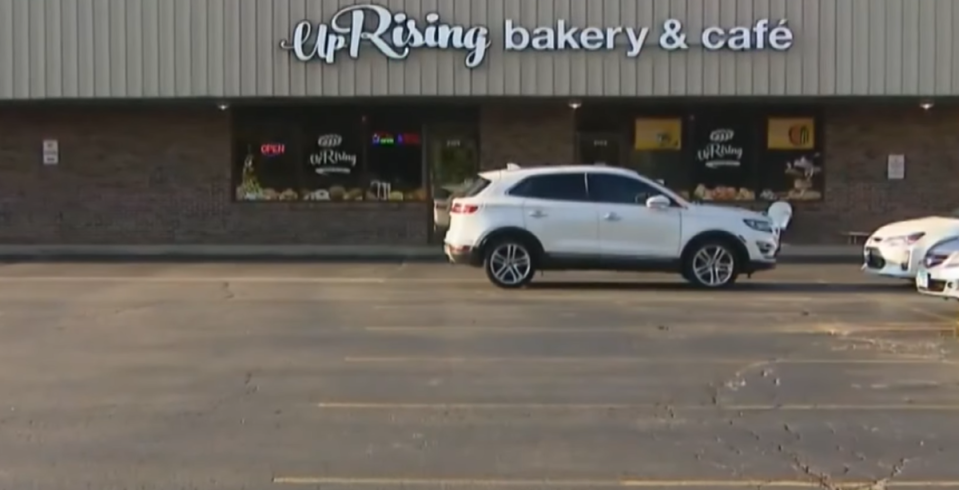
617, 189
555, 187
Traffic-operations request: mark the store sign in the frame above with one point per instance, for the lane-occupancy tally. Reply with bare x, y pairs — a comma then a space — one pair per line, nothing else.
395, 35
721, 151
395, 139
330, 158
791, 134
658, 134
271, 150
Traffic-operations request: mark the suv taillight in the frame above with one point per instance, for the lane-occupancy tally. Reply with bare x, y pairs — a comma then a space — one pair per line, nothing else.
459, 208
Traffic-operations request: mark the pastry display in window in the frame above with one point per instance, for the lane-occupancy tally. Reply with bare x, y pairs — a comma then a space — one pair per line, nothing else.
768, 195
337, 193
317, 195
354, 194
724, 193
270, 195
802, 170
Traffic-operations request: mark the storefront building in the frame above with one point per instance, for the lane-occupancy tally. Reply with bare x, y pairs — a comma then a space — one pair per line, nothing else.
341, 122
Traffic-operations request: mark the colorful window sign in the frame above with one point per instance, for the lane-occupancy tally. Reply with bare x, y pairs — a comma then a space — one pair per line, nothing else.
791, 134
381, 138
272, 149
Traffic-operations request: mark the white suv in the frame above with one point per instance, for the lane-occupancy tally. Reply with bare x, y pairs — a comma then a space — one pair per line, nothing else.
516, 221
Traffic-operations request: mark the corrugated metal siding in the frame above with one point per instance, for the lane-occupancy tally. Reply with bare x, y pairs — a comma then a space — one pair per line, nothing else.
229, 48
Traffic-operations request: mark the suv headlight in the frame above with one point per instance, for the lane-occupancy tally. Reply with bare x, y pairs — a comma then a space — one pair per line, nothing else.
904, 239
759, 225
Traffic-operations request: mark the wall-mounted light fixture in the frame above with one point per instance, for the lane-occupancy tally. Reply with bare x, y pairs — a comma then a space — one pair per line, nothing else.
926, 105
222, 105
575, 104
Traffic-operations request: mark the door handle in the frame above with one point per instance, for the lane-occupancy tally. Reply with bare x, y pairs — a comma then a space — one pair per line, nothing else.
537, 214
611, 217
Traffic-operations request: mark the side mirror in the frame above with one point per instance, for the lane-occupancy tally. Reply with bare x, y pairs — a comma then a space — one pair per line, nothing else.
658, 202
780, 213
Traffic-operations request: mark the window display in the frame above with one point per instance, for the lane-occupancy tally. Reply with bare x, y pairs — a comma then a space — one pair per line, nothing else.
657, 152
330, 164
395, 166
324, 154
715, 152
266, 166
660, 134
791, 165
722, 159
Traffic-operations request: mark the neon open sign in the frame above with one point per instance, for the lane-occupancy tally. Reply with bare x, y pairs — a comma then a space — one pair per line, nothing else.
272, 149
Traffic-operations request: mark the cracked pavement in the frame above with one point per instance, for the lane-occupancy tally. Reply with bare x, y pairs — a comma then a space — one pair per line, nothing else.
416, 376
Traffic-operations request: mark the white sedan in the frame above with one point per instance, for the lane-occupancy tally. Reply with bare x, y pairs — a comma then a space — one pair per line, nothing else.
938, 274
898, 249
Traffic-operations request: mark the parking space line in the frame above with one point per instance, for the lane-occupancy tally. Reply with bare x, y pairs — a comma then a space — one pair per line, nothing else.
597, 483
899, 407
537, 483
919, 326
936, 316
631, 360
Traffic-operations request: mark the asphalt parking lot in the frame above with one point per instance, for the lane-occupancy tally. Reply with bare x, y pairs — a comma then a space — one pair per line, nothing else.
416, 376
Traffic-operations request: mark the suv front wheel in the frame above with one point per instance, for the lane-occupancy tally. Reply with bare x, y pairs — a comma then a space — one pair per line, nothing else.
509, 264
711, 264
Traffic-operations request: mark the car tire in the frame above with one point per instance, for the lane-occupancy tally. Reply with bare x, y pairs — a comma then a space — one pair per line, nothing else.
509, 263
712, 264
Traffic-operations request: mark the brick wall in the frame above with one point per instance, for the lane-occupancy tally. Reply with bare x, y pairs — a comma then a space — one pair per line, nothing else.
526, 133
858, 195
162, 176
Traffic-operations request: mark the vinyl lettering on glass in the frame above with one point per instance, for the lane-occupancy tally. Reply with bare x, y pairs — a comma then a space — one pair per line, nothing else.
722, 161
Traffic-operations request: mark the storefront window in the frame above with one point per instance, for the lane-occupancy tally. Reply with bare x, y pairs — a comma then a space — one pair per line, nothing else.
710, 153
723, 158
327, 154
395, 166
658, 152
266, 164
330, 162
791, 162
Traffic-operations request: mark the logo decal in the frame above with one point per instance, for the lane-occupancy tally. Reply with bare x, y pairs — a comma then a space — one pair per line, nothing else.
329, 141
721, 135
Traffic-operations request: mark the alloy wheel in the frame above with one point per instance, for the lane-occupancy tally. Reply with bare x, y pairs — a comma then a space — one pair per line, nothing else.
713, 265
510, 264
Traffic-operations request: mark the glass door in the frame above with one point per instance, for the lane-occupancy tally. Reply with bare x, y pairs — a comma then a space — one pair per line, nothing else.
600, 149
452, 161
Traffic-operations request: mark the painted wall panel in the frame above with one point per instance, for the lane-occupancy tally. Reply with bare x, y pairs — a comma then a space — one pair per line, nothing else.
231, 48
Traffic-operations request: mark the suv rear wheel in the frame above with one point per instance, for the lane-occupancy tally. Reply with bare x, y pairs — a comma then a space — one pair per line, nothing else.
711, 264
509, 264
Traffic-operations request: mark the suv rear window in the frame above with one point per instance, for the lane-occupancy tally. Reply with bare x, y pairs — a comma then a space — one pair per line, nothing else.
477, 186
